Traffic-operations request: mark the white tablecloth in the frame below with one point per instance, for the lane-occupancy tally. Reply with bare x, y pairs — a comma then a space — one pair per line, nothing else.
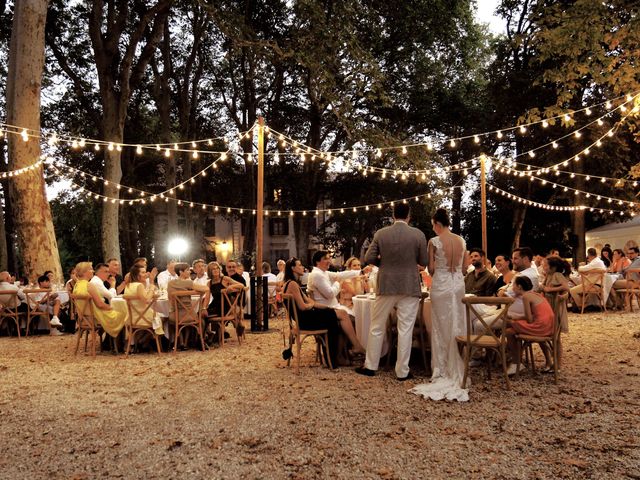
362, 309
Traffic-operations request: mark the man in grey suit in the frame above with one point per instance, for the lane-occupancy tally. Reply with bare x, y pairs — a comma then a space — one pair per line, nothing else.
398, 250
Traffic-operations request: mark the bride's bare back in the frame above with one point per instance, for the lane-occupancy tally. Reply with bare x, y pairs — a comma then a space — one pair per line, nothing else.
453, 250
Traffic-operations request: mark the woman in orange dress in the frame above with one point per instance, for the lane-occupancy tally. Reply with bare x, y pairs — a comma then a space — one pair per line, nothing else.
538, 319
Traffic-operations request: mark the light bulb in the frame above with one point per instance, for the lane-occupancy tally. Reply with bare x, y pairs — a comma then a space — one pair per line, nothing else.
523, 129
110, 147
577, 134
24, 135
588, 111
545, 124
452, 143
499, 134
476, 139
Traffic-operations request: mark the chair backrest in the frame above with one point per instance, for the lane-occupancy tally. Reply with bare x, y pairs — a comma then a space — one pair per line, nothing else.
291, 310
9, 300
231, 303
186, 310
559, 304
592, 281
37, 296
82, 305
632, 276
137, 311
483, 328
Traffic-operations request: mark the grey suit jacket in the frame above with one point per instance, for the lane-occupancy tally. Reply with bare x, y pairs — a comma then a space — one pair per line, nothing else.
397, 250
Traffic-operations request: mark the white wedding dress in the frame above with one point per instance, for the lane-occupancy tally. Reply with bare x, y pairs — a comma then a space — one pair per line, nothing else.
448, 320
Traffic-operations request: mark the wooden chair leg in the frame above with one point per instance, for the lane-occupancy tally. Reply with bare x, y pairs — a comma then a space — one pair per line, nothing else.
503, 354
79, 334
298, 348
157, 337
326, 342
467, 359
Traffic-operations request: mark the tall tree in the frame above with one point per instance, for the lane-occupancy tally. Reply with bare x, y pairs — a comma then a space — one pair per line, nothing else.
123, 37
36, 236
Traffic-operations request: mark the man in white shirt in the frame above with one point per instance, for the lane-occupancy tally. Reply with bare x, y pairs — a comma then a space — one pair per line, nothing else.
522, 263
7, 286
167, 275
323, 286
593, 263
280, 276
50, 304
101, 275
271, 278
200, 269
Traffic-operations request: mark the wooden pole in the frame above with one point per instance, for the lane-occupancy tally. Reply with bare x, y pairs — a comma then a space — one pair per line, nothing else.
483, 201
260, 220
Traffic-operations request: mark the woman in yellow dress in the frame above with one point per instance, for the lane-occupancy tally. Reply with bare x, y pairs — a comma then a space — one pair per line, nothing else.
111, 321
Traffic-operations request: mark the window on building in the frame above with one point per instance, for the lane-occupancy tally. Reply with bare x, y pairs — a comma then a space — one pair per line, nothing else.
278, 226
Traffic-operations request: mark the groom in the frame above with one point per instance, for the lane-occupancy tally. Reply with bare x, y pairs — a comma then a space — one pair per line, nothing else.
397, 250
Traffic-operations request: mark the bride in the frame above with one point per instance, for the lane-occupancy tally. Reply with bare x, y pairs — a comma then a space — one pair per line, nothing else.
447, 262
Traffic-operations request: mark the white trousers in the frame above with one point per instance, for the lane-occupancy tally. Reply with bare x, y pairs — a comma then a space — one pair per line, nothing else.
407, 311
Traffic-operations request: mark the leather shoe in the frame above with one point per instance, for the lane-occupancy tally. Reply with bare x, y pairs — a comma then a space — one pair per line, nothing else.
404, 379
365, 371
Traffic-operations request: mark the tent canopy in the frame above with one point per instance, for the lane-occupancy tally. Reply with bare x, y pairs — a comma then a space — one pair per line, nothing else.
618, 235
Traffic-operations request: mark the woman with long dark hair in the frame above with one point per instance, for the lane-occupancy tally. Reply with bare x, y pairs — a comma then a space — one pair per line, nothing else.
311, 316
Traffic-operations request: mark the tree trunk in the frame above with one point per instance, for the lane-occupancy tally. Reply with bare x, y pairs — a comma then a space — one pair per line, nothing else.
577, 224
4, 255
113, 127
34, 224
519, 214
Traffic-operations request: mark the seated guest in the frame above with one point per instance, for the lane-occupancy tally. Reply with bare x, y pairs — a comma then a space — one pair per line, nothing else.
537, 319
522, 262
142, 262
182, 284
232, 271
7, 286
311, 315
101, 276
72, 280
114, 271
352, 286
593, 263
200, 270
50, 304
556, 282
619, 262
504, 267
280, 276
137, 287
111, 320
606, 255
480, 281
537, 262
167, 275
218, 282
324, 286
554, 252
634, 258
271, 279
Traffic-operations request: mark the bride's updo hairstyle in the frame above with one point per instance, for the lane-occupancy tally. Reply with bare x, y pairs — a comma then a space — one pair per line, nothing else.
441, 217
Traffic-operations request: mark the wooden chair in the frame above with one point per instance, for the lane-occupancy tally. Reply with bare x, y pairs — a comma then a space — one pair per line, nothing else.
552, 342
631, 288
138, 322
9, 309
592, 284
186, 313
35, 298
298, 336
487, 338
86, 323
231, 311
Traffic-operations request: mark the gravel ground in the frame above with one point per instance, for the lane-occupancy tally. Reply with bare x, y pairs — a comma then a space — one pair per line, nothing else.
238, 411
